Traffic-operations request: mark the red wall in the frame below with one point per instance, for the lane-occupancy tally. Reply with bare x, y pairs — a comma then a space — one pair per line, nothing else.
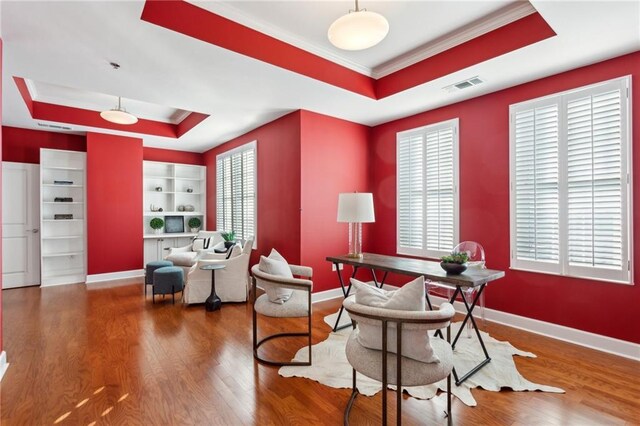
23, 145
1, 148
114, 203
278, 154
334, 160
598, 307
171, 156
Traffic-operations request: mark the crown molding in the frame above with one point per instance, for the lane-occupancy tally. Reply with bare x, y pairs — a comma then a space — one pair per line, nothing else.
507, 15
228, 11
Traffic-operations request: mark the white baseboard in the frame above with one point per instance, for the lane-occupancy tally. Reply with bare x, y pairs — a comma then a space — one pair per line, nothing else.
112, 276
567, 334
3, 364
321, 296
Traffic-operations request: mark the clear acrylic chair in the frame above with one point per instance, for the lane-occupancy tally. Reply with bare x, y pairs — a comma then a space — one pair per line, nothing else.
475, 253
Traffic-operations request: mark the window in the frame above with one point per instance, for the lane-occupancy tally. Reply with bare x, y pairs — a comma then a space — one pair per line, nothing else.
570, 183
236, 191
428, 190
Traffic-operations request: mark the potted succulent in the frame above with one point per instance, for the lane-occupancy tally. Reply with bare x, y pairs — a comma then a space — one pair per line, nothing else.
229, 239
455, 263
157, 224
194, 224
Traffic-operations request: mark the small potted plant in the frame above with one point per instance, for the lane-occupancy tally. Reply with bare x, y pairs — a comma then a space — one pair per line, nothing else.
194, 224
157, 224
455, 263
229, 239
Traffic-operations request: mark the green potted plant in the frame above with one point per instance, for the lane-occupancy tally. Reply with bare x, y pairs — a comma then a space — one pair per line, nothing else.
194, 224
455, 263
229, 238
157, 224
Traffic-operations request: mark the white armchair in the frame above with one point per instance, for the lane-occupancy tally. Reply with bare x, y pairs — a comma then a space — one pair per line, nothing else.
232, 282
187, 256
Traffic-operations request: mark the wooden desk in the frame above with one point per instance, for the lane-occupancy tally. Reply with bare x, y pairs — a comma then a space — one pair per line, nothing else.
472, 278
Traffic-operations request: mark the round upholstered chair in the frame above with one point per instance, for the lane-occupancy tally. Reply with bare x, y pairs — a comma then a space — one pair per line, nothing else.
297, 306
167, 280
394, 368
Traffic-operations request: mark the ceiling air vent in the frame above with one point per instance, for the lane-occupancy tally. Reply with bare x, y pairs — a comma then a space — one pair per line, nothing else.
54, 126
464, 84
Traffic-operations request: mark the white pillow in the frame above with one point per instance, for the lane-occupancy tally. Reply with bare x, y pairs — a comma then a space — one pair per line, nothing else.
183, 259
410, 297
276, 265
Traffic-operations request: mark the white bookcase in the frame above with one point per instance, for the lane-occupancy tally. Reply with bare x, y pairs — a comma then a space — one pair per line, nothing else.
63, 238
176, 188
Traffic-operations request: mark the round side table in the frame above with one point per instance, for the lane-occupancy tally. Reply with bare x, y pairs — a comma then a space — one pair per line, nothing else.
213, 302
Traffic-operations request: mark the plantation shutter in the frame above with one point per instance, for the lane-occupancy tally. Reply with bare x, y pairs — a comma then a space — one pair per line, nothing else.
536, 184
236, 191
596, 181
570, 183
410, 191
427, 199
440, 190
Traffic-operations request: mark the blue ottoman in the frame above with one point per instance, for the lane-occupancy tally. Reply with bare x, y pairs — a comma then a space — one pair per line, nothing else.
167, 280
152, 266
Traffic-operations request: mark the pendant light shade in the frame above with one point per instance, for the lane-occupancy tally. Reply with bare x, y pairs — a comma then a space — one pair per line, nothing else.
119, 115
358, 30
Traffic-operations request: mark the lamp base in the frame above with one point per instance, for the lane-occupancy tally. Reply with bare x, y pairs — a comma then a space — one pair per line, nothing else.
355, 255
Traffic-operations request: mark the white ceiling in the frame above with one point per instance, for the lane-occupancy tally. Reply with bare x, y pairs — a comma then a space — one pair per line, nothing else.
70, 44
305, 24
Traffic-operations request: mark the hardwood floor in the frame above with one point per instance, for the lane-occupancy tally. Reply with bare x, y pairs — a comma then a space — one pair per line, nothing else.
105, 355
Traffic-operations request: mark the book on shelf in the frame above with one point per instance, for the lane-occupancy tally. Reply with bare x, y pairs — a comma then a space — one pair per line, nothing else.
63, 200
63, 216
63, 182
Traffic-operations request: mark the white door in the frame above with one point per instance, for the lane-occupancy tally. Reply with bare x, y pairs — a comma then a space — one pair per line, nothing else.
20, 225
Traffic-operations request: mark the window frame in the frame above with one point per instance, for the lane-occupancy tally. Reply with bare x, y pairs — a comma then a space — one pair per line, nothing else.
563, 268
253, 145
453, 123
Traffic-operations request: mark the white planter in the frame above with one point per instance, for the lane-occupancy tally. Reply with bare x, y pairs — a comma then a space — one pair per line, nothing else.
194, 230
158, 231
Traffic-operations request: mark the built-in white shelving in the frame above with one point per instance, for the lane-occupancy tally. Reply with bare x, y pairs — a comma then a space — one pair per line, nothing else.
174, 188
62, 241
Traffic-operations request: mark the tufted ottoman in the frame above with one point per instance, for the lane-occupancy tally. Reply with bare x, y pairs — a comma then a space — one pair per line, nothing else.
167, 280
148, 272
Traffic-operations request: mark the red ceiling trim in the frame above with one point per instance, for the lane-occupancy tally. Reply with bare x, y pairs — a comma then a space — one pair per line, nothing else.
85, 117
518, 34
196, 22
193, 21
190, 121
24, 92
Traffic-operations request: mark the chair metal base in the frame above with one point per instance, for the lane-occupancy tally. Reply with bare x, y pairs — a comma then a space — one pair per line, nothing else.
257, 344
355, 392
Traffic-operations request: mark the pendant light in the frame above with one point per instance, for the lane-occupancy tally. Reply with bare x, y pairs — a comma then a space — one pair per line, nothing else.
119, 115
358, 30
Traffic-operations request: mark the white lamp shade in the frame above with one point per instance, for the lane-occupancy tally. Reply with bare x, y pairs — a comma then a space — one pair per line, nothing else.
119, 117
356, 207
358, 30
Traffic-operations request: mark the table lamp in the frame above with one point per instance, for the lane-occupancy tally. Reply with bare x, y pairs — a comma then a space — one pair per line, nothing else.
355, 208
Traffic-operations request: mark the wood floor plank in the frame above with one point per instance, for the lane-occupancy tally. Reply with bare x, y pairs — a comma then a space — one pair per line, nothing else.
105, 355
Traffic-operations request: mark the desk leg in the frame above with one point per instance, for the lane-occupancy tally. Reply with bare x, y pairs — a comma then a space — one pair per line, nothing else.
213, 302
345, 292
375, 279
469, 317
